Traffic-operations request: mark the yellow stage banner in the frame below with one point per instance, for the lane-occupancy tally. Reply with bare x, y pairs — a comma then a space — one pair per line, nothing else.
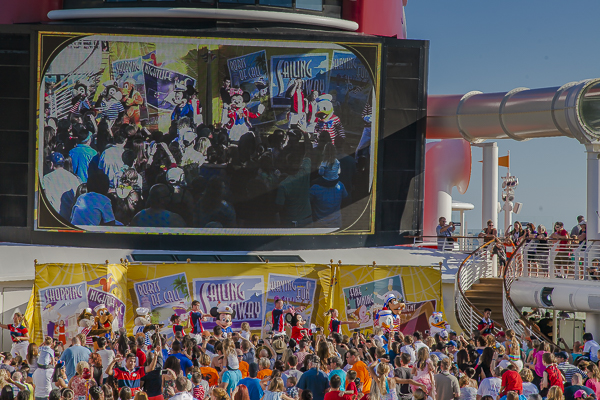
250, 289
358, 293
62, 291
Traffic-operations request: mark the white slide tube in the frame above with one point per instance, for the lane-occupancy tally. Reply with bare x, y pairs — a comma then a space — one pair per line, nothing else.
571, 110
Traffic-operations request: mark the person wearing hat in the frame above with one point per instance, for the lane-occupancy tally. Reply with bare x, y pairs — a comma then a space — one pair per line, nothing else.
60, 186
82, 154
327, 193
577, 228
582, 237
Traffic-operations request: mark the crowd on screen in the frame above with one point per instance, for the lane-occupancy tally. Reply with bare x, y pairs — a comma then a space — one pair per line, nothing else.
321, 365
195, 176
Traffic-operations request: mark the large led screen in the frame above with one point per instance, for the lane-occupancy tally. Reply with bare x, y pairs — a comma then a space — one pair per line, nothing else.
206, 136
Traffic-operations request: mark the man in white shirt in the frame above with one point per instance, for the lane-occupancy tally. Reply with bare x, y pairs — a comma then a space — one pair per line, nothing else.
107, 356
490, 386
591, 347
60, 186
418, 343
180, 389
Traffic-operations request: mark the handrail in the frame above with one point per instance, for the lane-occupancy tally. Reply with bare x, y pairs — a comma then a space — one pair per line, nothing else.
511, 312
470, 271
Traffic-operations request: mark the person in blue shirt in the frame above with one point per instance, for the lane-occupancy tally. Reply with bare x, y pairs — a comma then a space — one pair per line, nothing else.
231, 377
253, 383
335, 366
314, 380
73, 355
82, 154
183, 360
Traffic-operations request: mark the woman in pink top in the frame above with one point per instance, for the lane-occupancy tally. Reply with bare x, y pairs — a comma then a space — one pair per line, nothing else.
537, 364
593, 383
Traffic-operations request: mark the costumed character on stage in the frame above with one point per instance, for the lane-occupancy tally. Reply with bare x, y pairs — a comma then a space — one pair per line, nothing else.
296, 320
85, 324
335, 325
395, 306
80, 100
132, 100
223, 316
327, 121
195, 321
236, 117
180, 101
102, 322
437, 323
110, 102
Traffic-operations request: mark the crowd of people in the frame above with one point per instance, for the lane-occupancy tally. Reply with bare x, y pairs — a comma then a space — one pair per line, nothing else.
196, 176
240, 366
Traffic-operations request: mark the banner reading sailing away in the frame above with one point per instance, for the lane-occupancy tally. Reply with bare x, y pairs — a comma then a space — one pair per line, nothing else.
242, 293
310, 68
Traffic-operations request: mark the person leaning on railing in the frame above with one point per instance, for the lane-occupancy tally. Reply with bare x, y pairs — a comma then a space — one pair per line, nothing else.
488, 233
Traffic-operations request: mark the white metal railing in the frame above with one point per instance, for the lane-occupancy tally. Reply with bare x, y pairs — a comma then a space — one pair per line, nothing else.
476, 266
462, 244
515, 268
557, 259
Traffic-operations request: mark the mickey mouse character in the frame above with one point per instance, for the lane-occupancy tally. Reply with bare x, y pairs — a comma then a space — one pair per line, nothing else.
223, 317
80, 99
110, 102
236, 117
298, 331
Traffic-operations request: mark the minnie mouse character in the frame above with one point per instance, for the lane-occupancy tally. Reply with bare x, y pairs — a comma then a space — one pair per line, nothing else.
236, 117
223, 317
298, 331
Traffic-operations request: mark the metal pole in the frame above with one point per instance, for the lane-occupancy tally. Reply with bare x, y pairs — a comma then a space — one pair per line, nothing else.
554, 325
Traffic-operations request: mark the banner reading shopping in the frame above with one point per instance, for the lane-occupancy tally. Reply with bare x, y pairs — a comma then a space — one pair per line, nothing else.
60, 306
244, 294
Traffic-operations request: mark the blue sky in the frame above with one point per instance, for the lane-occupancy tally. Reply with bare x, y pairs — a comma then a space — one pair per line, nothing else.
495, 46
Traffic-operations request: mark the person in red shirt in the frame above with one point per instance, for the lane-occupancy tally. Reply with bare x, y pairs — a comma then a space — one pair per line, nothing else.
130, 376
334, 394
511, 381
552, 375
140, 353
486, 325
562, 255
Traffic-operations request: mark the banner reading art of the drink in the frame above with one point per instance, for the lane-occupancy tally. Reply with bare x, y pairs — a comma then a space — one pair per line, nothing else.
164, 297
245, 294
311, 68
114, 305
297, 293
60, 306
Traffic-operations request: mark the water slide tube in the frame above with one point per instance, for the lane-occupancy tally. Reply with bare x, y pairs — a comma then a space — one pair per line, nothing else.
571, 110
